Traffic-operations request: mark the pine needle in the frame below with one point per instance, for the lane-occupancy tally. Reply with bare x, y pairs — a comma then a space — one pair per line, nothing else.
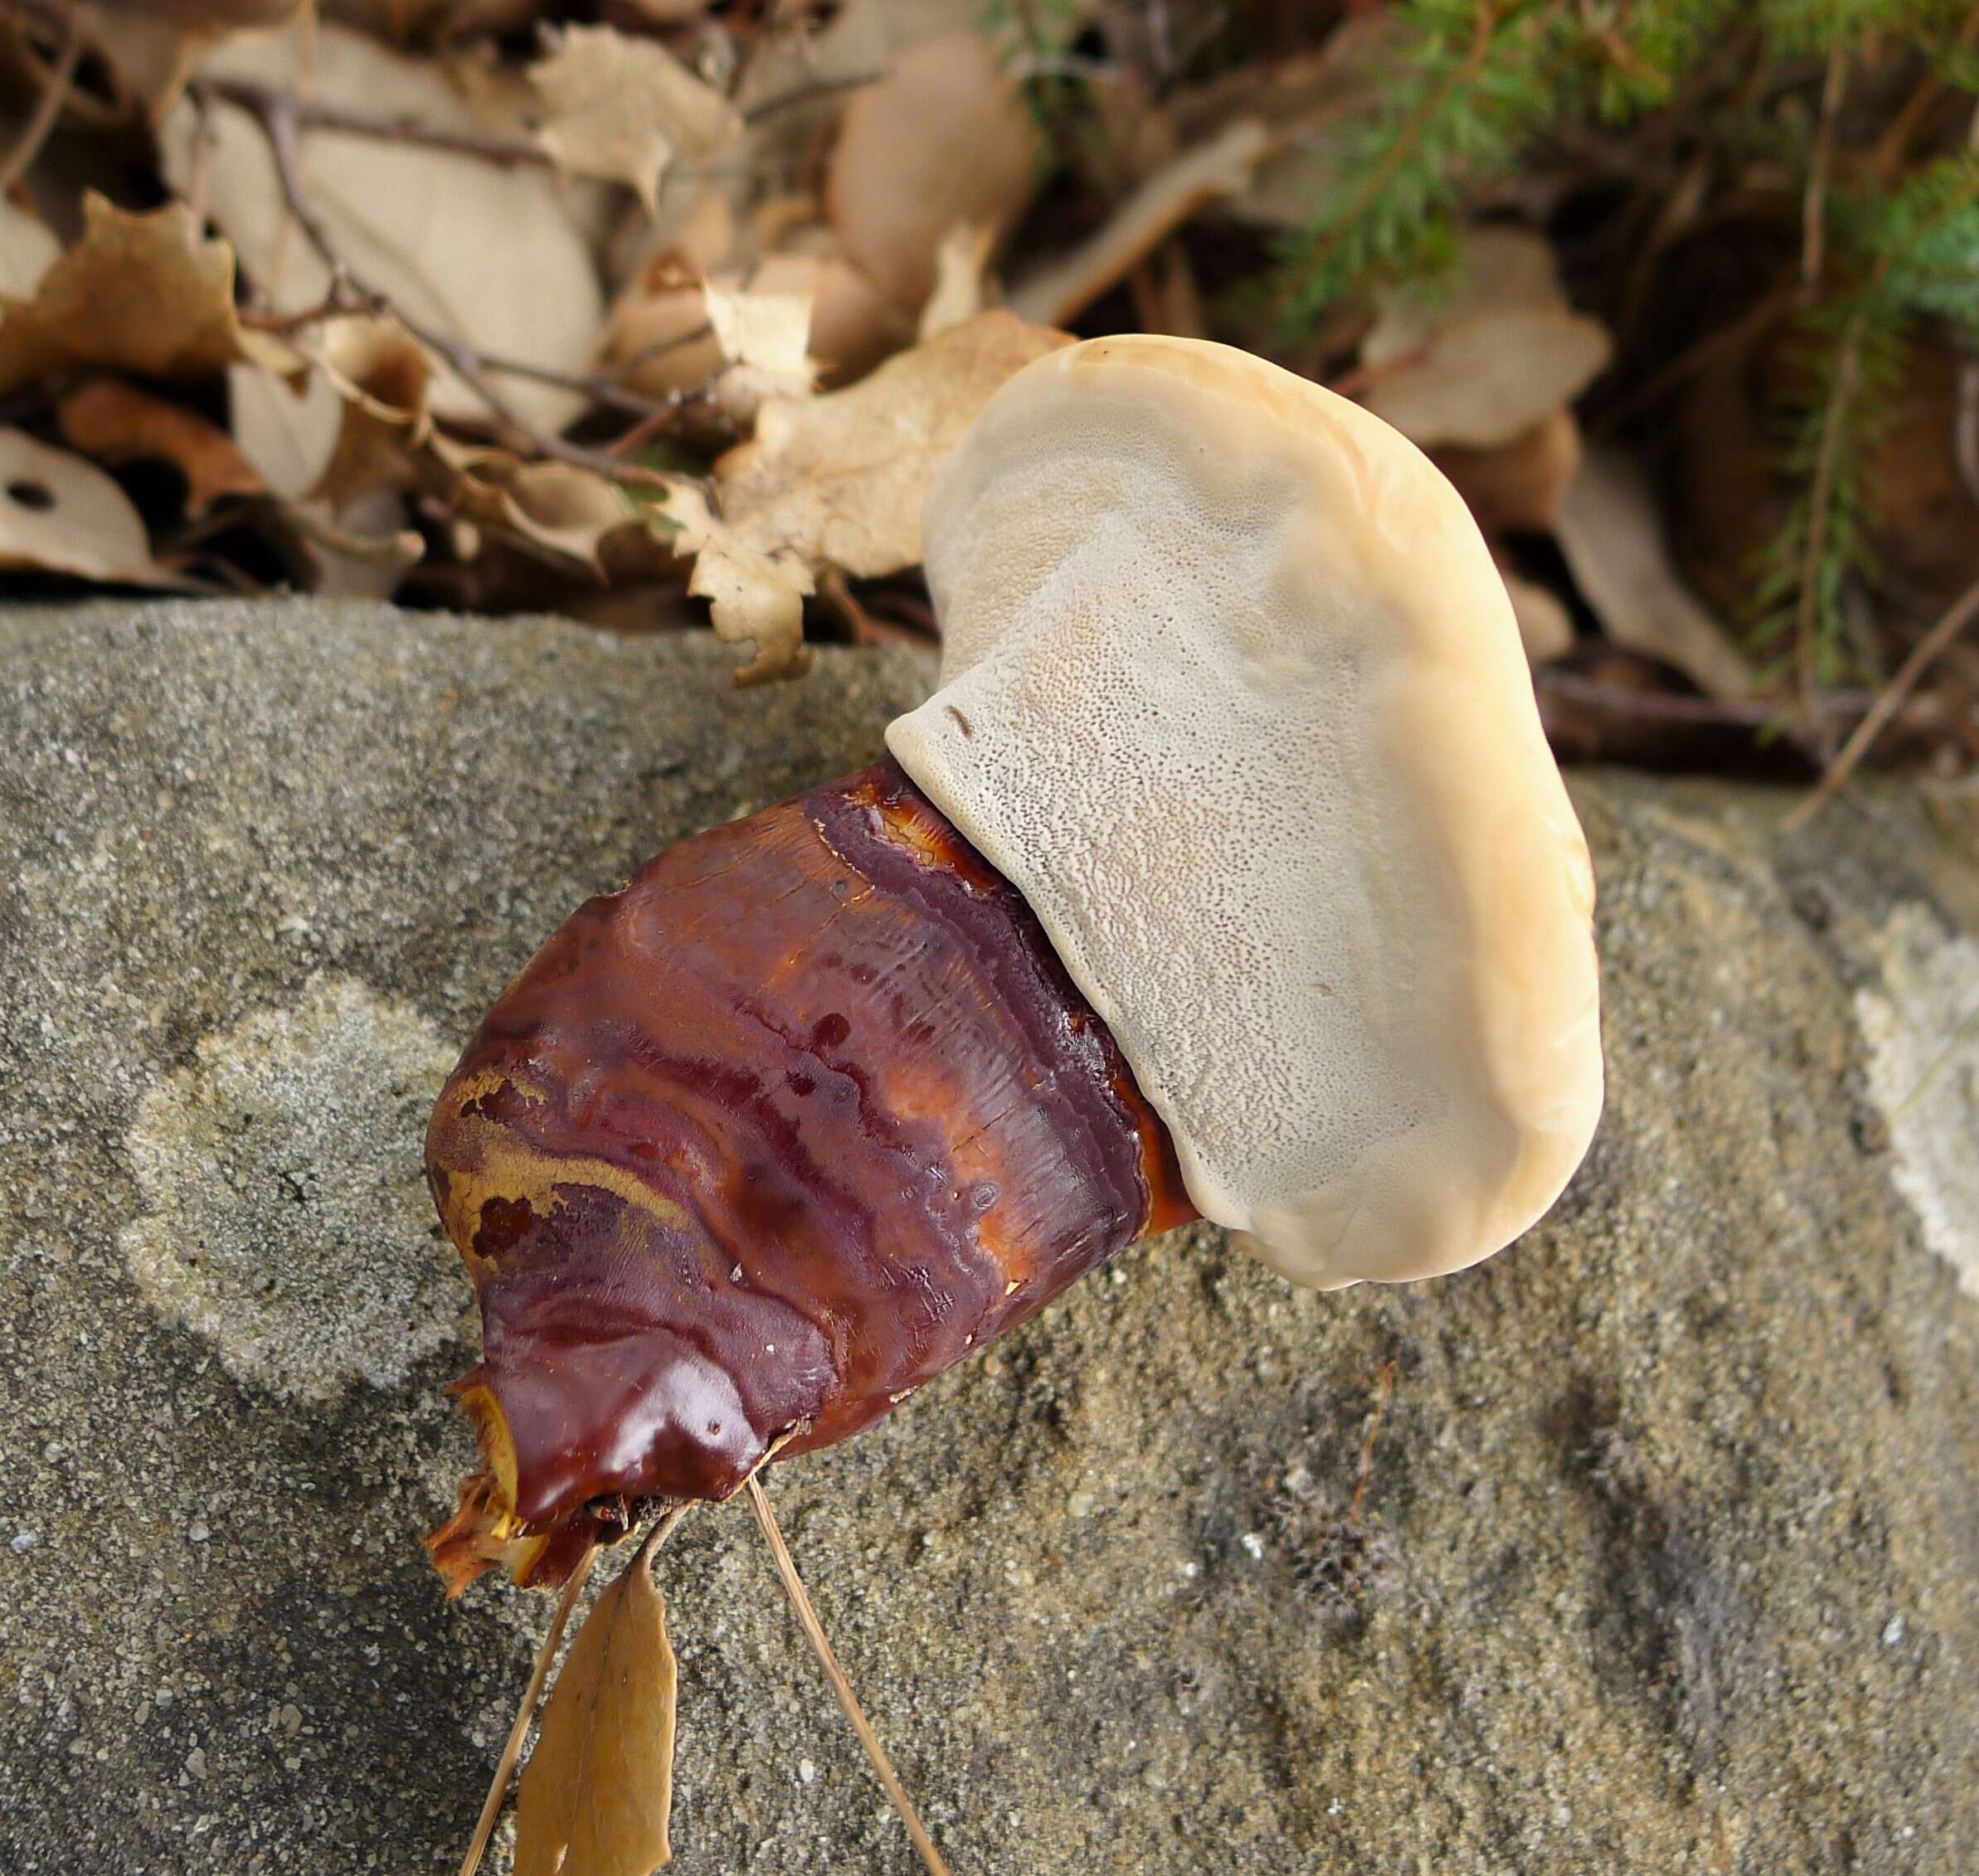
807, 1618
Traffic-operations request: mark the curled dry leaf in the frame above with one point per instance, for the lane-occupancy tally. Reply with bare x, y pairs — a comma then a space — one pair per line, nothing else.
621, 109
1488, 361
385, 379
116, 423
60, 514
943, 138
1612, 537
143, 293
596, 1794
1162, 204
839, 481
556, 509
486, 253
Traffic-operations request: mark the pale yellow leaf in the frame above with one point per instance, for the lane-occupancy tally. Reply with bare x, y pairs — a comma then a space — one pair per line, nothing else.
837, 481
767, 331
144, 292
486, 253
756, 591
622, 108
1162, 204
1488, 360
841, 479
60, 514
596, 1795
1612, 535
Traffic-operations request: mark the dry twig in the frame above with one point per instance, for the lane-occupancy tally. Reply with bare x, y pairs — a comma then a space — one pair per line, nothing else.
47, 108
1963, 611
807, 1618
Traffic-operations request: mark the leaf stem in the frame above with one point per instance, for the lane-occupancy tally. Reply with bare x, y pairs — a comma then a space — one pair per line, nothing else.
504, 1771
807, 1619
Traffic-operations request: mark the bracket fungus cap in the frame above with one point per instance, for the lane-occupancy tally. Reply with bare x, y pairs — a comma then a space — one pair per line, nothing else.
1233, 694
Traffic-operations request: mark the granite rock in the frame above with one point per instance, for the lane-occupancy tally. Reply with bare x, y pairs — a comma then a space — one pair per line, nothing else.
1667, 1554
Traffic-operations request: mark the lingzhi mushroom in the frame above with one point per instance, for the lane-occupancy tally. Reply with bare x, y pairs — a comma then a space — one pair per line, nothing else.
1226, 873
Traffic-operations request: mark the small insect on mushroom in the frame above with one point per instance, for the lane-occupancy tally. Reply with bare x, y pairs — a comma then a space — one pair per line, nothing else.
1226, 873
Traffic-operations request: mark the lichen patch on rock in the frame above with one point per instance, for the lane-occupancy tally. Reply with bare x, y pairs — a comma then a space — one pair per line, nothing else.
287, 1219
1923, 1073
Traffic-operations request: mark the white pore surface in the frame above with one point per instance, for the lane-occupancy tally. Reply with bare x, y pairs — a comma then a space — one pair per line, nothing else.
1233, 694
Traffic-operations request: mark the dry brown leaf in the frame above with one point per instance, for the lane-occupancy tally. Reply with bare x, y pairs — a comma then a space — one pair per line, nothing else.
944, 139
596, 1795
558, 508
385, 378
621, 109
1491, 359
486, 253
115, 423
1519, 485
842, 478
60, 514
837, 481
144, 292
1162, 204
1612, 534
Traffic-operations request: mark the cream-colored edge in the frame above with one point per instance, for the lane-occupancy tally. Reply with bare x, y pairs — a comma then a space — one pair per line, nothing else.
1462, 721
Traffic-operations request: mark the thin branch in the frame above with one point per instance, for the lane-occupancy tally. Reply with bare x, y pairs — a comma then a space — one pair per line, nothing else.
546, 1656
505, 149
1961, 613
275, 113
47, 109
807, 1618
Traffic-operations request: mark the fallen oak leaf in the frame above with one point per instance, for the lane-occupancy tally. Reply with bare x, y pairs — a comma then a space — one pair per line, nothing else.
486, 255
943, 138
837, 481
1612, 535
60, 514
559, 509
596, 1795
116, 423
621, 109
145, 292
385, 377
1482, 364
